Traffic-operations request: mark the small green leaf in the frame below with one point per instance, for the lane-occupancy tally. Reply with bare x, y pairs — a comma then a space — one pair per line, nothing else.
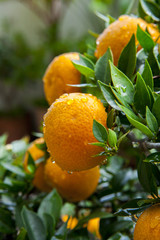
99, 144
151, 121
110, 118
112, 138
142, 96
102, 69
151, 9
122, 84
51, 205
99, 131
31, 166
33, 224
120, 98
156, 109
108, 95
84, 66
41, 146
146, 177
127, 59
153, 60
136, 122
22, 234
145, 39
147, 75
12, 168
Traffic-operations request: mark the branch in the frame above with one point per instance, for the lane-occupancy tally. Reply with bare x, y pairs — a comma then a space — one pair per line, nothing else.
150, 145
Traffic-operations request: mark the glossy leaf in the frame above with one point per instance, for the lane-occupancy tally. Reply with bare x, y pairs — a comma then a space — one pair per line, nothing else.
135, 121
122, 84
51, 205
84, 66
127, 59
112, 138
108, 95
147, 178
156, 109
147, 75
110, 118
33, 224
142, 96
153, 60
151, 121
102, 69
151, 9
99, 132
145, 39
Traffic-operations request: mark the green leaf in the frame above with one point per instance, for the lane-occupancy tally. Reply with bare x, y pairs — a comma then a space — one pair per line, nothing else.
145, 39
108, 19
110, 118
156, 109
147, 75
41, 146
120, 98
146, 177
118, 236
151, 121
22, 234
51, 205
122, 84
142, 96
151, 9
153, 60
12, 168
85, 66
135, 121
99, 131
153, 157
112, 138
49, 224
6, 222
33, 224
108, 95
127, 59
102, 69
62, 231
31, 166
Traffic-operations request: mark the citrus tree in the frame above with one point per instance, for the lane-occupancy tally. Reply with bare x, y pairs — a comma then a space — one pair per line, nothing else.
93, 172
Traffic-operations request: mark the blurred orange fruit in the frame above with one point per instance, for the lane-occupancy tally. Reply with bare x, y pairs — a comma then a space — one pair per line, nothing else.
93, 227
117, 35
59, 73
36, 154
68, 131
73, 187
72, 222
148, 224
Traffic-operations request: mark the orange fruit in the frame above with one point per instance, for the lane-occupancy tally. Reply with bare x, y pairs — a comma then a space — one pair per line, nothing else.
68, 131
93, 227
59, 73
118, 34
36, 153
73, 187
72, 222
148, 224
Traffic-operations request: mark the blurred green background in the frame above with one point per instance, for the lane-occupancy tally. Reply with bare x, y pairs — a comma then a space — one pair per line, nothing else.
32, 32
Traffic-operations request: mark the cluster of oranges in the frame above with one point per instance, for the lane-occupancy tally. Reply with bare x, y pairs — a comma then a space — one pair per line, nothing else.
73, 164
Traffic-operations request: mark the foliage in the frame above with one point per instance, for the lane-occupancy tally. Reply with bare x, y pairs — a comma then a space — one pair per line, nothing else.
130, 179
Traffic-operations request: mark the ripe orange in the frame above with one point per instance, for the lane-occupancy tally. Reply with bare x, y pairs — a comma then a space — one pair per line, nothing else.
93, 227
59, 73
36, 153
72, 222
68, 131
148, 224
118, 34
73, 187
